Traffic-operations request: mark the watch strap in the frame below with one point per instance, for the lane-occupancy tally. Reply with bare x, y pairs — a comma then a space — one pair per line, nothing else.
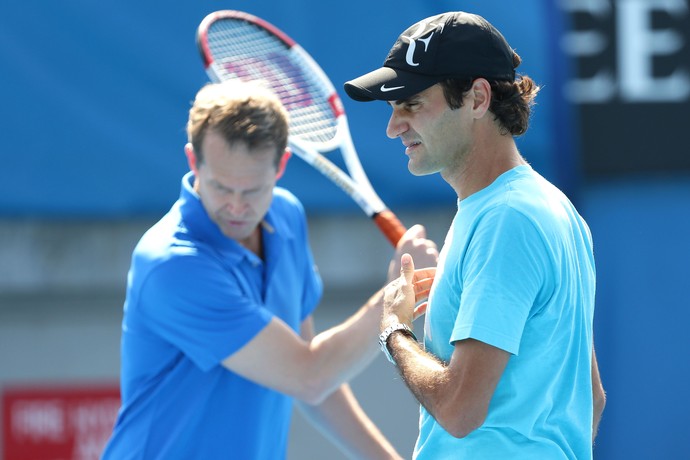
386, 333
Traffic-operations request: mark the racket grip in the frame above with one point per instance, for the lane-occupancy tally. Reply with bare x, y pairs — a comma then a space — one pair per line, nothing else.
390, 226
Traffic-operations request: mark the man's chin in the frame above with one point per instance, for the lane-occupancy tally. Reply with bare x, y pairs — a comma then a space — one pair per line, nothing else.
416, 170
236, 232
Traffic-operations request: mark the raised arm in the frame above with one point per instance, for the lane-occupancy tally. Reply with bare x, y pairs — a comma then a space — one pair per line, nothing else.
310, 370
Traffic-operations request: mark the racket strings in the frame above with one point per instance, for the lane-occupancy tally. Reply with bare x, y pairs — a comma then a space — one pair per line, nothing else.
243, 50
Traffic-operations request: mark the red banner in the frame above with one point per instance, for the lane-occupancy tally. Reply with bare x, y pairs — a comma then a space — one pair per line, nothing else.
58, 422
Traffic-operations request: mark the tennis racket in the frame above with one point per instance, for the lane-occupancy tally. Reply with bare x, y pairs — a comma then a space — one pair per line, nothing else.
237, 45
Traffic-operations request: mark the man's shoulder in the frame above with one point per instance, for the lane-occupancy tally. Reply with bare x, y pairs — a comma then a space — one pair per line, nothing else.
167, 243
285, 197
286, 204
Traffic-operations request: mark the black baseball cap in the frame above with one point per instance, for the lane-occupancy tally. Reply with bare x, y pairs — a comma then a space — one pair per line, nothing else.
448, 45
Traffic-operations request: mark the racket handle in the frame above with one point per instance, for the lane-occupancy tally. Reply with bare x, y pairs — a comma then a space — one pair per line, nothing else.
390, 226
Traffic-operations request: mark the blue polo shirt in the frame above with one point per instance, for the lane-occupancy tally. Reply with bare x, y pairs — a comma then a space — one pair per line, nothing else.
194, 297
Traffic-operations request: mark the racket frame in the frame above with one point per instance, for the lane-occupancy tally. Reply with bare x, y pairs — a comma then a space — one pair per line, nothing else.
357, 184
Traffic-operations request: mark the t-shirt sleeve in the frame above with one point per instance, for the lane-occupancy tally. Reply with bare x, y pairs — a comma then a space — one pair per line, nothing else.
196, 306
502, 275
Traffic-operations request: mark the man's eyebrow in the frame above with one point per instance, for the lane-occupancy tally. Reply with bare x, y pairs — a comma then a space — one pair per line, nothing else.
401, 101
217, 184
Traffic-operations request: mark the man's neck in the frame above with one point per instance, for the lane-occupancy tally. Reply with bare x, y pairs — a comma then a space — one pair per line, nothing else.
484, 165
254, 242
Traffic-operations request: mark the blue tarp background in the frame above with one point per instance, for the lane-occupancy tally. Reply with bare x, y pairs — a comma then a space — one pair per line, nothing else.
95, 99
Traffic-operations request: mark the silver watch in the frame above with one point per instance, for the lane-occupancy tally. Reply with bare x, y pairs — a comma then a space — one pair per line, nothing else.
383, 337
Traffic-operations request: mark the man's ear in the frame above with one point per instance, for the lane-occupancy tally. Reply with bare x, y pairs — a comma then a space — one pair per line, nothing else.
481, 92
191, 157
283, 163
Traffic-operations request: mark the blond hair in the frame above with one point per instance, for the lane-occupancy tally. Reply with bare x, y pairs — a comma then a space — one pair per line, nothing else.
241, 112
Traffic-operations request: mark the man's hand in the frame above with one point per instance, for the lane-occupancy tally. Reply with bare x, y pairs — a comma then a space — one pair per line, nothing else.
402, 296
415, 243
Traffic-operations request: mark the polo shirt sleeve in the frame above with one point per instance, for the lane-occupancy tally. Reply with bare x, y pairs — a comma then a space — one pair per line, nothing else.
193, 303
313, 285
502, 273
313, 288
291, 209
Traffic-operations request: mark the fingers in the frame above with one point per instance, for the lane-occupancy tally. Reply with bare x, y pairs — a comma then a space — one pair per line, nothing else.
419, 310
416, 231
422, 286
422, 273
415, 243
414, 236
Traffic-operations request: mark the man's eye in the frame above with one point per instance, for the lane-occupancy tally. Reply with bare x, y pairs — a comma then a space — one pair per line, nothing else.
253, 192
222, 189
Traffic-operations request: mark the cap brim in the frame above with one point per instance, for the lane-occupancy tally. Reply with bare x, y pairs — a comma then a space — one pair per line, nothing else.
388, 84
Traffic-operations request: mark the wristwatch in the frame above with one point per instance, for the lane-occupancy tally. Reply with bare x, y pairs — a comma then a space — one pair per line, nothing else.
383, 337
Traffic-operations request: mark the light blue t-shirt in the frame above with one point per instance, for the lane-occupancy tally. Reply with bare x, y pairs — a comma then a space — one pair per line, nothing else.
517, 272
194, 297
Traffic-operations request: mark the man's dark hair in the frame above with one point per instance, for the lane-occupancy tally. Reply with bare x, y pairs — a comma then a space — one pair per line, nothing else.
511, 101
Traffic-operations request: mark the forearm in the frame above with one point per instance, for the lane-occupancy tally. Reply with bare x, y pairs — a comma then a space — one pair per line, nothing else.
598, 396
598, 411
422, 372
456, 394
340, 353
341, 419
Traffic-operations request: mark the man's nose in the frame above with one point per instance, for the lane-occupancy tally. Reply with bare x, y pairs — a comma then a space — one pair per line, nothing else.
236, 204
395, 126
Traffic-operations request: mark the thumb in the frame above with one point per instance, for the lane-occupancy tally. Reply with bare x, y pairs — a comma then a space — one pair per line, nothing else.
407, 267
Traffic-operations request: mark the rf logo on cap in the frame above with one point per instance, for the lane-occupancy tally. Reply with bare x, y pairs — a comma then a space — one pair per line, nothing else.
412, 40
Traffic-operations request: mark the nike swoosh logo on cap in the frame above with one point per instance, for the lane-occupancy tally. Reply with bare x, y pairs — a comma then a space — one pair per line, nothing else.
393, 88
